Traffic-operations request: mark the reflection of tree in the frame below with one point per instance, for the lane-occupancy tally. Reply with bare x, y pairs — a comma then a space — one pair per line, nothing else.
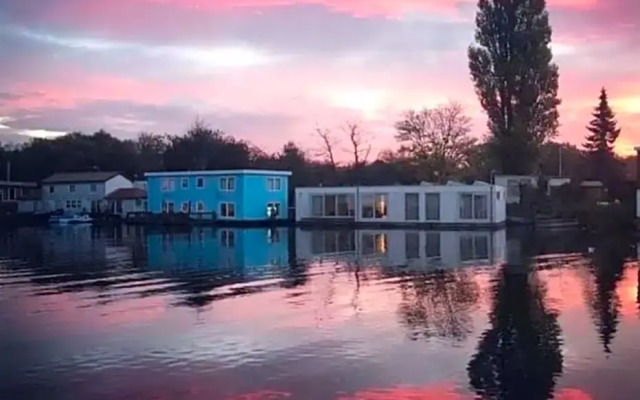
607, 267
438, 304
519, 356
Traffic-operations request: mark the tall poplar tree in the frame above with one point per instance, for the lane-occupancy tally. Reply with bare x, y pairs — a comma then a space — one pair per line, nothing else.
512, 68
603, 133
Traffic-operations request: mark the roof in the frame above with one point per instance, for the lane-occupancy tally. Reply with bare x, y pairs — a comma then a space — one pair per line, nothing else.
218, 172
127, 194
71, 177
18, 184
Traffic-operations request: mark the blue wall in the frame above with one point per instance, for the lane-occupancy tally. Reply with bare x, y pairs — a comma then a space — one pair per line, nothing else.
203, 248
251, 194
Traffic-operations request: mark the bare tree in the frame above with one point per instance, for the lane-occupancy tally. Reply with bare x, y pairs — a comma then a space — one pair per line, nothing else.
360, 141
328, 143
437, 138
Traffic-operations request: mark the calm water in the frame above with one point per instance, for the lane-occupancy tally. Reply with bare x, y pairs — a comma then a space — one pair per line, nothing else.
270, 314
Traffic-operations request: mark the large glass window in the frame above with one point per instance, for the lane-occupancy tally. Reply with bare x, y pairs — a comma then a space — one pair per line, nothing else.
374, 206
432, 206
330, 206
412, 206
333, 205
474, 206
227, 210
317, 206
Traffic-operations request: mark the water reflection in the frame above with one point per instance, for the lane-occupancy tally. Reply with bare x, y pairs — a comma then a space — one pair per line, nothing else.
519, 356
394, 248
138, 314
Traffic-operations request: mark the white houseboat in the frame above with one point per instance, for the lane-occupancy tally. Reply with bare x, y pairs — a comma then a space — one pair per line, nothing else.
455, 205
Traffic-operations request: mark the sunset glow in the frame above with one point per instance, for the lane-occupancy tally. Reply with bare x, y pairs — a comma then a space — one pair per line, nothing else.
270, 71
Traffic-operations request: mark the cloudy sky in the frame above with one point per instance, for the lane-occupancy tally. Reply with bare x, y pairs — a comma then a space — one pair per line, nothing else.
272, 70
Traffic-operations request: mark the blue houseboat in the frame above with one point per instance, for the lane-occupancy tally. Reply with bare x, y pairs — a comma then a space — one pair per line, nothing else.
233, 195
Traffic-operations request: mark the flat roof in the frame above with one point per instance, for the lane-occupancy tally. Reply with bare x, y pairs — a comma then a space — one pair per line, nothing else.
218, 172
18, 184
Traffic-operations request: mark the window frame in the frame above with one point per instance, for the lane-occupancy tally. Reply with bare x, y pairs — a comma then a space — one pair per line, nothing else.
226, 205
199, 180
167, 185
184, 183
227, 184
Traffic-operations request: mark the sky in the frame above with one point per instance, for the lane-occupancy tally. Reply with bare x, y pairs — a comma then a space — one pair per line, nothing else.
270, 71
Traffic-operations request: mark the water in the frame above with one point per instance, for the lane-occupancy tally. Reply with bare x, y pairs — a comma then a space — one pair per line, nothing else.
270, 314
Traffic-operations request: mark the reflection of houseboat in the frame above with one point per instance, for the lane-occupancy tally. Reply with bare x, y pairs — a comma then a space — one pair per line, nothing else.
454, 204
211, 248
447, 249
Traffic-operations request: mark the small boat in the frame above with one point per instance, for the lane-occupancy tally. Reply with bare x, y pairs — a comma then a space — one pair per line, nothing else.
70, 219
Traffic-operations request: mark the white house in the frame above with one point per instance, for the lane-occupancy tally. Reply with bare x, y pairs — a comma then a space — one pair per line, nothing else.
407, 248
127, 200
512, 184
81, 191
453, 204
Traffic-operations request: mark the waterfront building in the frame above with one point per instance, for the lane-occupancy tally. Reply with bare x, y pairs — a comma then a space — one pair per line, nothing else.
452, 205
233, 195
74, 192
127, 200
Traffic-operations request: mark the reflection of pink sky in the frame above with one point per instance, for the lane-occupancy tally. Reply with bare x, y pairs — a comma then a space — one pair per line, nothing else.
300, 91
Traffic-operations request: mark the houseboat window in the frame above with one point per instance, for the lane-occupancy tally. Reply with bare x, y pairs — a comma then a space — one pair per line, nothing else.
227, 210
317, 206
167, 206
330, 206
200, 206
199, 182
346, 205
474, 206
374, 243
52, 189
412, 206
432, 206
480, 206
184, 182
374, 206
168, 185
72, 188
228, 238
274, 184
432, 246
185, 207
93, 187
412, 245
228, 184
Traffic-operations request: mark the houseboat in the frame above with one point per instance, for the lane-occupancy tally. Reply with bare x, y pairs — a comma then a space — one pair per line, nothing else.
454, 205
245, 196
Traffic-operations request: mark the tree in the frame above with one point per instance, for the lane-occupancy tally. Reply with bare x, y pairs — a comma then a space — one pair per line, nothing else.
327, 146
515, 80
360, 143
150, 149
437, 139
603, 134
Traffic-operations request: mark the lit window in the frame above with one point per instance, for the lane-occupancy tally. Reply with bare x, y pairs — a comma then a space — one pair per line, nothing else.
374, 206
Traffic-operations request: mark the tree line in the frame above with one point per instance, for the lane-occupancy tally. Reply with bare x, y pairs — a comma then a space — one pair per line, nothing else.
516, 81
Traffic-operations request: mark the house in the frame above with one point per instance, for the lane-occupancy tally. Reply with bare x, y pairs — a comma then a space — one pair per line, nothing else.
407, 248
11, 192
453, 204
126, 200
81, 191
513, 183
234, 195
